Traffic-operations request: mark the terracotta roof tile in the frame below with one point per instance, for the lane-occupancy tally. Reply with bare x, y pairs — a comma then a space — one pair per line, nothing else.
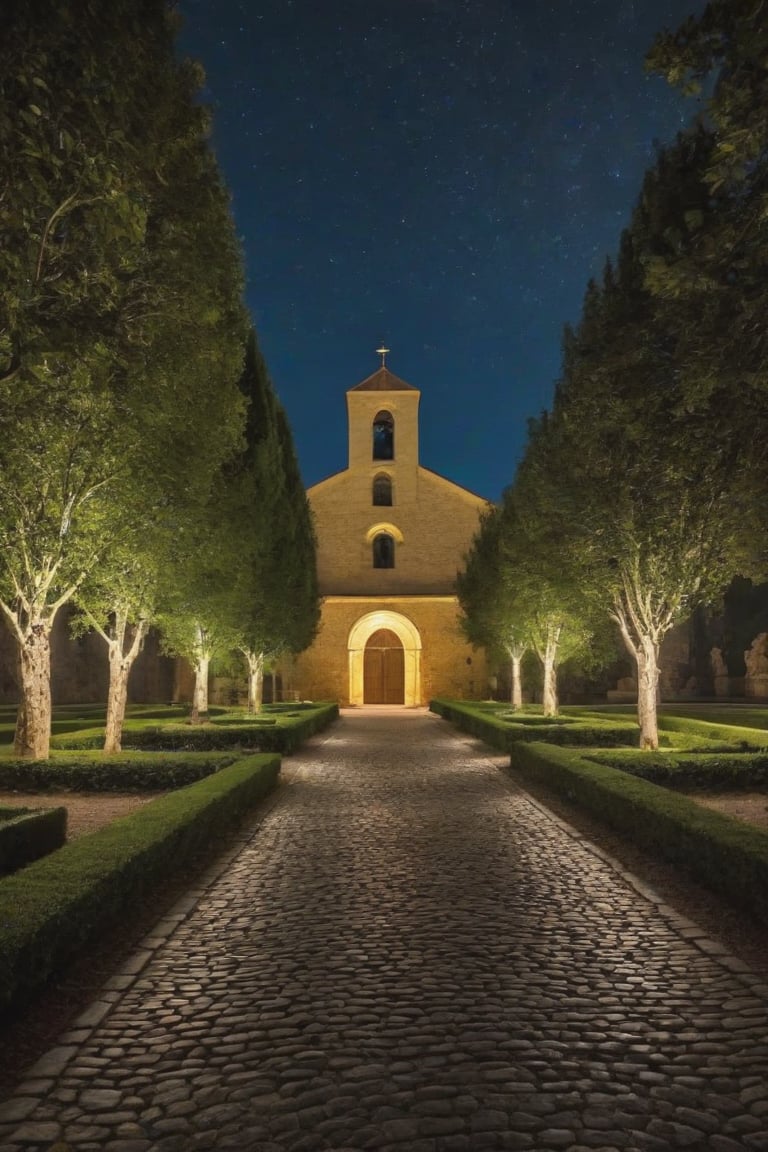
383, 381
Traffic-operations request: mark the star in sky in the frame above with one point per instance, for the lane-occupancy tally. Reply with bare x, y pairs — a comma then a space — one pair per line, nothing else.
441, 176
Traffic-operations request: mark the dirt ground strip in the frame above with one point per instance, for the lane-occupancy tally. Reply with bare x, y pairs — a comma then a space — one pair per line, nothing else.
749, 806
85, 811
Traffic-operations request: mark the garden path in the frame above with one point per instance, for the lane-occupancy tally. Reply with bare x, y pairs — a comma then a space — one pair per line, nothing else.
408, 953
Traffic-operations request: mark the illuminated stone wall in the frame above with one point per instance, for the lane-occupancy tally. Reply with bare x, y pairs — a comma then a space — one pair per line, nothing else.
446, 664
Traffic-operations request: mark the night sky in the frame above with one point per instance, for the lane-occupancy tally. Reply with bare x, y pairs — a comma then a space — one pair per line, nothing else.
442, 176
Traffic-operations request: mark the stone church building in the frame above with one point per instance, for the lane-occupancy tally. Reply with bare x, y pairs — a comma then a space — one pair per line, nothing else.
391, 538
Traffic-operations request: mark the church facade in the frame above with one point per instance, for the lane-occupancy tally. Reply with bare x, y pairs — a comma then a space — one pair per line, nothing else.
391, 538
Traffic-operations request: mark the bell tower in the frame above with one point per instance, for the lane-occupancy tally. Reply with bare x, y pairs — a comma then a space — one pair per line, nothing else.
383, 415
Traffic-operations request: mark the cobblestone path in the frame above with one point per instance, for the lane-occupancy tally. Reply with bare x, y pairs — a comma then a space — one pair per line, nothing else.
409, 954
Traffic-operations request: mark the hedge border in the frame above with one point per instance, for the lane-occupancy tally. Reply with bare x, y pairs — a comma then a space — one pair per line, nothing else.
26, 834
725, 855
125, 772
751, 738
283, 737
55, 907
693, 771
506, 735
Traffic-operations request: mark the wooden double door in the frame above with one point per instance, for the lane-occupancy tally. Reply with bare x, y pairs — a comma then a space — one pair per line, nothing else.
384, 669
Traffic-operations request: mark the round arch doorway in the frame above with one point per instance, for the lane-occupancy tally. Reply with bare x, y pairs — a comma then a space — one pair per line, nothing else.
384, 660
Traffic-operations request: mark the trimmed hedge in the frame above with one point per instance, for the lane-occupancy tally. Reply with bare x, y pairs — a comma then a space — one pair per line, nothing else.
26, 834
734, 715
699, 731
284, 736
691, 771
230, 721
729, 733
724, 854
85, 717
489, 724
125, 772
57, 906
730, 715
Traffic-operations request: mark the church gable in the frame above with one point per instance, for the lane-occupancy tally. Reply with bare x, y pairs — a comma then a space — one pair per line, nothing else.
391, 537
443, 488
385, 525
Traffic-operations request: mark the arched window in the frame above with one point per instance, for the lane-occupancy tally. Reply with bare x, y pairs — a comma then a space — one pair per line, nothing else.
383, 436
382, 490
383, 551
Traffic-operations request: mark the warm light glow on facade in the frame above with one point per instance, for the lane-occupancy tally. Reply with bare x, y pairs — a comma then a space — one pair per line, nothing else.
409, 637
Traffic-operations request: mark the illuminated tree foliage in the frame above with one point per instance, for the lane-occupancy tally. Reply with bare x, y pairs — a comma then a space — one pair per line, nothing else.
643, 489
711, 266
516, 595
276, 593
118, 601
562, 622
492, 614
120, 314
246, 580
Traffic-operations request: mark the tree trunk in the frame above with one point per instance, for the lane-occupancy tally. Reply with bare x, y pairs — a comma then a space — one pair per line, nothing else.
32, 739
255, 680
516, 692
202, 665
120, 664
549, 690
549, 664
642, 639
647, 657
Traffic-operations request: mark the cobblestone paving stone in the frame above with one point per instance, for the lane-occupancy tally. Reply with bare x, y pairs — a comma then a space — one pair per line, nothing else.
410, 954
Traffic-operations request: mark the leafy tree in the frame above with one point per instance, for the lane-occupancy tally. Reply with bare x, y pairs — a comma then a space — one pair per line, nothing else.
197, 614
246, 574
492, 614
277, 590
302, 616
516, 594
120, 310
644, 492
118, 601
560, 620
708, 265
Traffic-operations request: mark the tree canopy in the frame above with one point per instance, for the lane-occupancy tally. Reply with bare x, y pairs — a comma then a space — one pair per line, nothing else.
709, 266
641, 487
121, 319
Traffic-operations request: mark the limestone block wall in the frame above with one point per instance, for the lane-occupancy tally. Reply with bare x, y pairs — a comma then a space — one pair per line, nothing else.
448, 665
432, 519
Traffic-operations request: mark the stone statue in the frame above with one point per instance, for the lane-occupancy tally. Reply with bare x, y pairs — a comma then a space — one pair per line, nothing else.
756, 660
756, 657
717, 663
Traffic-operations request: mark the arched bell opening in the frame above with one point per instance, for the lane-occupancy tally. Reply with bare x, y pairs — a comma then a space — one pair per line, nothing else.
383, 436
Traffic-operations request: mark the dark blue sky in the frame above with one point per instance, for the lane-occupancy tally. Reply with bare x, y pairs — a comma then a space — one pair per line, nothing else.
442, 176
